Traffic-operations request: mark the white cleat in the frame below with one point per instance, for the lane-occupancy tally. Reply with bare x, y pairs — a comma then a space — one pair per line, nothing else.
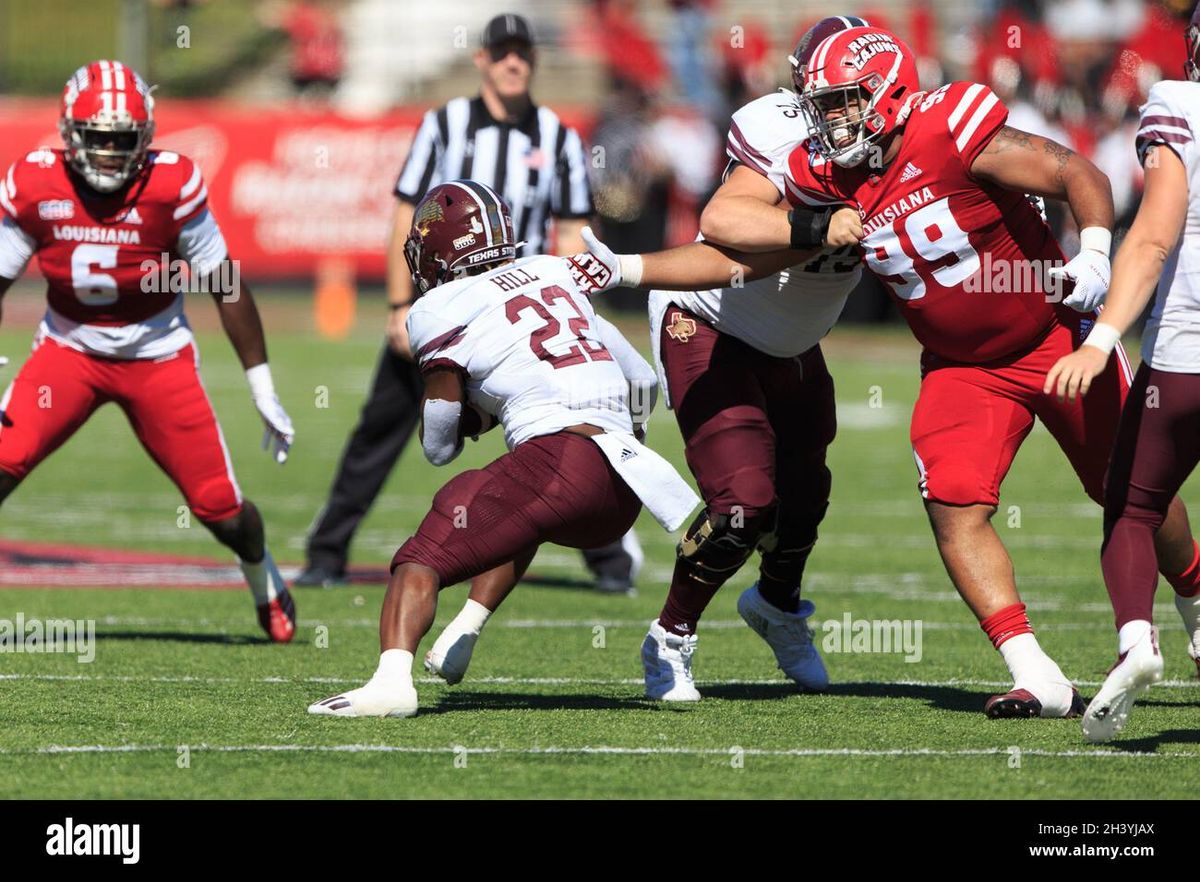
667, 662
1133, 674
451, 655
371, 700
788, 635
1189, 611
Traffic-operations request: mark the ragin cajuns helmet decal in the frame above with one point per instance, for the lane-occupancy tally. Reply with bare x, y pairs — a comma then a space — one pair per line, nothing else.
857, 89
812, 38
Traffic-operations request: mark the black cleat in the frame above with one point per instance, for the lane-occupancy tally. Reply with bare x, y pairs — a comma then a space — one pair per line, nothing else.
317, 576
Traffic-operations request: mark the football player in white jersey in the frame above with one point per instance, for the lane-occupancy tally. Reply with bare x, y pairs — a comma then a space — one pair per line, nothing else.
1158, 444
514, 343
743, 371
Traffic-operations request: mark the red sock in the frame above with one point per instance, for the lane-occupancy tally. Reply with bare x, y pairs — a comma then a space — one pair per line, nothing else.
1187, 583
1006, 623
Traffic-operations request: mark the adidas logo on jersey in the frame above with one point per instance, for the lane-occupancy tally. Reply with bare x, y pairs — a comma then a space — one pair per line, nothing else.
132, 217
627, 454
910, 172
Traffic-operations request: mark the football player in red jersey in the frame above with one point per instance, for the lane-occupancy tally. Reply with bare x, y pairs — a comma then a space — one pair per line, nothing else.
110, 220
941, 185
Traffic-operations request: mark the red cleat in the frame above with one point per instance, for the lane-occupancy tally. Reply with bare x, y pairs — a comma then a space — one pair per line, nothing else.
1021, 703
278, 618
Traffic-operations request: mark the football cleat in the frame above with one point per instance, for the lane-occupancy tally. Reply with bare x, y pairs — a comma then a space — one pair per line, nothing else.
371, 700
788, 635
317, 576
667, 663
1189, 611
451, 655
278, 618
1135, 672
1020, 703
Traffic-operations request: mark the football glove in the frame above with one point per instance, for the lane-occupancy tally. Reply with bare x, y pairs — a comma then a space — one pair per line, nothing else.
1091, 272
278, 432
599, 269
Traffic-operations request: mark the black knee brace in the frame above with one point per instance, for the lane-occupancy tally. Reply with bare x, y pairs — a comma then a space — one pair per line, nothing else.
786, 548
715, 546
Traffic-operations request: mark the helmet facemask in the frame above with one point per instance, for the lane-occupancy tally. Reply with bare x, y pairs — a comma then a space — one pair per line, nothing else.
1190, 68
109, 147
846, 138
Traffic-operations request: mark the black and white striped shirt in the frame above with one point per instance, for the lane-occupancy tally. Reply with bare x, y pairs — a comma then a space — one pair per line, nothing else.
537, 164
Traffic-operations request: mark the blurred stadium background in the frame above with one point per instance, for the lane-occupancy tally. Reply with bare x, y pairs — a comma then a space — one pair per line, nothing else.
301, 113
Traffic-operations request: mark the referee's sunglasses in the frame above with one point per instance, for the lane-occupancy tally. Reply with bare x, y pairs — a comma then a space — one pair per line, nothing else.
501, 51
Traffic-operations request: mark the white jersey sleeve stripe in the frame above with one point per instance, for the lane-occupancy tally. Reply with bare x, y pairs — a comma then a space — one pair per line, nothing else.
193, 182
5, 202
968, 131
12, 182
964, 105
187, 207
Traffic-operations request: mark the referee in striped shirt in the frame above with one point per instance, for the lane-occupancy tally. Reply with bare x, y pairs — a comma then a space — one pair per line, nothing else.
525, 153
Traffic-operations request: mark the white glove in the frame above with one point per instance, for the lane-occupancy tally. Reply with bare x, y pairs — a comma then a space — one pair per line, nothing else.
599, 269
1091, 272
278, 433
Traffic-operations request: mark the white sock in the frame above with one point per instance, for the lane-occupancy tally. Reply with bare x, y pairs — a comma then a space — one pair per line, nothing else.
1130, 634
395, 669
263, 578
471, 618
1027, 661
1189, 611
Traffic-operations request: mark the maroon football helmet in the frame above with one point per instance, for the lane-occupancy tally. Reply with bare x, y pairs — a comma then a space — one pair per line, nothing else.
812, 38
1191, 67
458, 227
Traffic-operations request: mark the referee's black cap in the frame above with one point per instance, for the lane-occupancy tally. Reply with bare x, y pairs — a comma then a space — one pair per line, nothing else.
504, 28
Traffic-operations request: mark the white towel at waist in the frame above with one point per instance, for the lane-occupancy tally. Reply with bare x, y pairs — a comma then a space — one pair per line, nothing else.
664, 493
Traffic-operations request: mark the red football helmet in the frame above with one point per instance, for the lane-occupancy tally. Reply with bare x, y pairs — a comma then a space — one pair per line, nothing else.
856, 91
107, 123
1191, 67
826, 27
458, 227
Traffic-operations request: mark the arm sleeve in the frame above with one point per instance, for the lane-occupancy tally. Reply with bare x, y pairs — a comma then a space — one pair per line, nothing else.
424, 159
440, 438
1163, 121
643, 381
16, 248
201, 244
571, 193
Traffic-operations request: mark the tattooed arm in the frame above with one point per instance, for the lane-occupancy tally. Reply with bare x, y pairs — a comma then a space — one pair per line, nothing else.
1029, 163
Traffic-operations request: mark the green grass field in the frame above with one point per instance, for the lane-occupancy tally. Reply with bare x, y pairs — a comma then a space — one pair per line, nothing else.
184, 700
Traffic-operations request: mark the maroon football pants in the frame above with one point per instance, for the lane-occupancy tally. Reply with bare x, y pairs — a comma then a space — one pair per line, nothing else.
1157, 447
554, 488
756, 428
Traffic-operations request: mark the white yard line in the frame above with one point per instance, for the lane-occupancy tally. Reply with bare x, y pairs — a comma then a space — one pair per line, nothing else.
548, 681
57, 749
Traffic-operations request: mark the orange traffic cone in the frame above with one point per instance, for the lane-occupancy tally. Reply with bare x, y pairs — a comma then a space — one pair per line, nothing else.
335, 303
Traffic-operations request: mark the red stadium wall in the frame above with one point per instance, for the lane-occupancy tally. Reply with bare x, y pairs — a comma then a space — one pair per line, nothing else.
289, 185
